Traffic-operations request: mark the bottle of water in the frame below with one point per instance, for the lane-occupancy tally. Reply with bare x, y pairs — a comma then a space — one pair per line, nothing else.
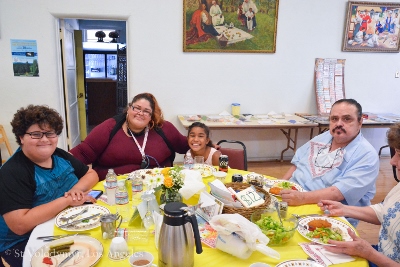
188, 162
111, 182
137, 187
121, 198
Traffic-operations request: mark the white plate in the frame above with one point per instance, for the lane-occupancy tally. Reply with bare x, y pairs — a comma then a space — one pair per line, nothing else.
303, 223
204, 169
90, 252
83, 226
273, 183
299, 263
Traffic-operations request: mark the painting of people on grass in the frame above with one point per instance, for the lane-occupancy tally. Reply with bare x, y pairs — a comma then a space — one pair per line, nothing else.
247, 26
372, 27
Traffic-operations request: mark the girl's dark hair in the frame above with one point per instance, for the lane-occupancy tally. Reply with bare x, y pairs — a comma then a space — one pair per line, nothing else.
40, 115
393, 136
157, 118
205, 128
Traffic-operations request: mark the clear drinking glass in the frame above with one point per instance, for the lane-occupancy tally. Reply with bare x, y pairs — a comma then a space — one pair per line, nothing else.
148, 220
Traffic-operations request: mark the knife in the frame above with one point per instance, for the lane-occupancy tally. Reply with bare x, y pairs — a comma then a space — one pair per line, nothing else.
68, 258
79, 221
59, 236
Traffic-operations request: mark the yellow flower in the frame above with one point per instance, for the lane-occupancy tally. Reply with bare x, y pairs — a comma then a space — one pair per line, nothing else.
165, 171
168, 182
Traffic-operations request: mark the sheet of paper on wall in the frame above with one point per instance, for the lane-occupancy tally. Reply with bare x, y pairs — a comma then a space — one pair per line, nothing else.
210, 206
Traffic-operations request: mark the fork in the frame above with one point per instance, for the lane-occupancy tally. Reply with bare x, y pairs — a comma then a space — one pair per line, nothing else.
73, 216
306, 215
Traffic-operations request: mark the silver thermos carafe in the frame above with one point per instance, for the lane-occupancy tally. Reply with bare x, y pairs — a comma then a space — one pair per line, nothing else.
179, 232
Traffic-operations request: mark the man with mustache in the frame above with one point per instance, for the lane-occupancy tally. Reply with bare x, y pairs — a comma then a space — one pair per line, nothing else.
339, 164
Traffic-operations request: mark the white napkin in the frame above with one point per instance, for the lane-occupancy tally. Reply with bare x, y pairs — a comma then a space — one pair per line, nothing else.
193, 184
326, 258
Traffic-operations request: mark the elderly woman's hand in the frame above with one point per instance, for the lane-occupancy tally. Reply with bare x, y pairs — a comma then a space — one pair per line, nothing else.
333, 208
358, 247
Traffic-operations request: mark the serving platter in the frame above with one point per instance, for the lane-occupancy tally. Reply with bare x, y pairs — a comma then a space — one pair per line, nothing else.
90, 250
336, 224
276, 183
299, 263
83, 226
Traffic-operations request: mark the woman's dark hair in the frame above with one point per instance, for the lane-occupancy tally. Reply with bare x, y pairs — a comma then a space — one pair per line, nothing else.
40, 115
157, 118
393, 136
205, 128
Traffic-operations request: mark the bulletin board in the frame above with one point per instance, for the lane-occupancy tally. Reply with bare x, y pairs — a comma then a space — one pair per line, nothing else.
329, 83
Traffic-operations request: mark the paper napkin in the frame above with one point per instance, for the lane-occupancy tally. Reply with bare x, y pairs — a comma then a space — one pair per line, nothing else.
193, 184
320, 255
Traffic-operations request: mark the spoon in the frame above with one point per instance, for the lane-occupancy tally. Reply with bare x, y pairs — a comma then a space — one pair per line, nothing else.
278, 211
74, 215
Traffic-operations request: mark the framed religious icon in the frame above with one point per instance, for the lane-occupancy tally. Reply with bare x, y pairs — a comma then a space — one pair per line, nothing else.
372, 27
236, 26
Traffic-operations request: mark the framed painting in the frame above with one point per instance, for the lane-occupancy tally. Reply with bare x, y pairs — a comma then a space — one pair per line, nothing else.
372, 27
235, 26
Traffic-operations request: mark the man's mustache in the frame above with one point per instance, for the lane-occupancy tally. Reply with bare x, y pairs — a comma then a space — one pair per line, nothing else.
339, 128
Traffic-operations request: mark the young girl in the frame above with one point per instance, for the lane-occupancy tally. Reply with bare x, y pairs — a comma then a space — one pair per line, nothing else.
201, 145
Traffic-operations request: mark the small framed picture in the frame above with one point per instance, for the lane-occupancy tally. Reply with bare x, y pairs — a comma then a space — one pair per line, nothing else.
372, 27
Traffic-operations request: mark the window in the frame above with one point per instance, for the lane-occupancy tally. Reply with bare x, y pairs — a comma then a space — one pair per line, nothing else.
90, 35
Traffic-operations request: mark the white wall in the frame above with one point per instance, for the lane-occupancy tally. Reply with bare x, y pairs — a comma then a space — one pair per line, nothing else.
203, 82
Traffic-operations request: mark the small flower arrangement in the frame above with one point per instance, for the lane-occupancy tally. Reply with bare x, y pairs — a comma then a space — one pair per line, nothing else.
173, 179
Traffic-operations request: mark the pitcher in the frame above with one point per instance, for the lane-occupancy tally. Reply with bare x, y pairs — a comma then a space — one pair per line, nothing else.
109, 224
179, 232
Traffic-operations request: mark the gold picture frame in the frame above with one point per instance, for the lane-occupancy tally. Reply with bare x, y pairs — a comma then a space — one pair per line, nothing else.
372, 27
230, 26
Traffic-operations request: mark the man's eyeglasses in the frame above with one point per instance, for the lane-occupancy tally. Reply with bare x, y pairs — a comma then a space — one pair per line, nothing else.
39, 135
144, 112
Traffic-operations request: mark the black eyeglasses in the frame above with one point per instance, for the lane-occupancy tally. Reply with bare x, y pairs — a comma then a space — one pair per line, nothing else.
327, 165
39, 135
144, 112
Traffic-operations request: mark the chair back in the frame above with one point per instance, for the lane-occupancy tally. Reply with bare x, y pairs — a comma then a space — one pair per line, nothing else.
4, 140
237, 156
392, 153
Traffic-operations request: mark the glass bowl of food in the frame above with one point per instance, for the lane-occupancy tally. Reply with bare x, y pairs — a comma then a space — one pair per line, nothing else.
268, 221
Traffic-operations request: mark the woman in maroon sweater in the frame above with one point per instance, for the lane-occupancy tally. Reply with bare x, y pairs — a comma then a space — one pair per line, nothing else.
141, 139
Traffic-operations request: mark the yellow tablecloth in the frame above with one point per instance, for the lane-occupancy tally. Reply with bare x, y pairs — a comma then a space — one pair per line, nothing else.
210, 256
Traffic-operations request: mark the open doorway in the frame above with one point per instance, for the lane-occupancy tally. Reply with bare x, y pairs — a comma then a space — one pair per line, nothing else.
96, 75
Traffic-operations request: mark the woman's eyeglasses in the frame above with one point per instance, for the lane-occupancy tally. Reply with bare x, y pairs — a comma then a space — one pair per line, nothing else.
39, 135
144, 112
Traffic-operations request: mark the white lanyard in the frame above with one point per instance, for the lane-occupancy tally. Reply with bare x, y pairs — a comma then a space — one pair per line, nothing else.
141, 149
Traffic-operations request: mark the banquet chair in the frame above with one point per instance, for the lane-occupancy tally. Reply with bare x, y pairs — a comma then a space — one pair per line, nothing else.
4, 140
237, 157
392, 152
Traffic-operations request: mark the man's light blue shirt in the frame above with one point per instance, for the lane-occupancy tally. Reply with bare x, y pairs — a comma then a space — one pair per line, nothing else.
355, 177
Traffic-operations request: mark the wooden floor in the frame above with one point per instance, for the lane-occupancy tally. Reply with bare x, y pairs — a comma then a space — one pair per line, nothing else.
384, 184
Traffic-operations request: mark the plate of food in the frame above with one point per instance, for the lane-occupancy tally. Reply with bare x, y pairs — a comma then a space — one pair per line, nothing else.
91, 223
85, 251
204, 169
321, 229
299, 263
274, 187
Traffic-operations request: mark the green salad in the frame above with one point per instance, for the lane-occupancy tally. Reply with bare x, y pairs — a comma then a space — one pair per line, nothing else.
277, 233
324, 234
